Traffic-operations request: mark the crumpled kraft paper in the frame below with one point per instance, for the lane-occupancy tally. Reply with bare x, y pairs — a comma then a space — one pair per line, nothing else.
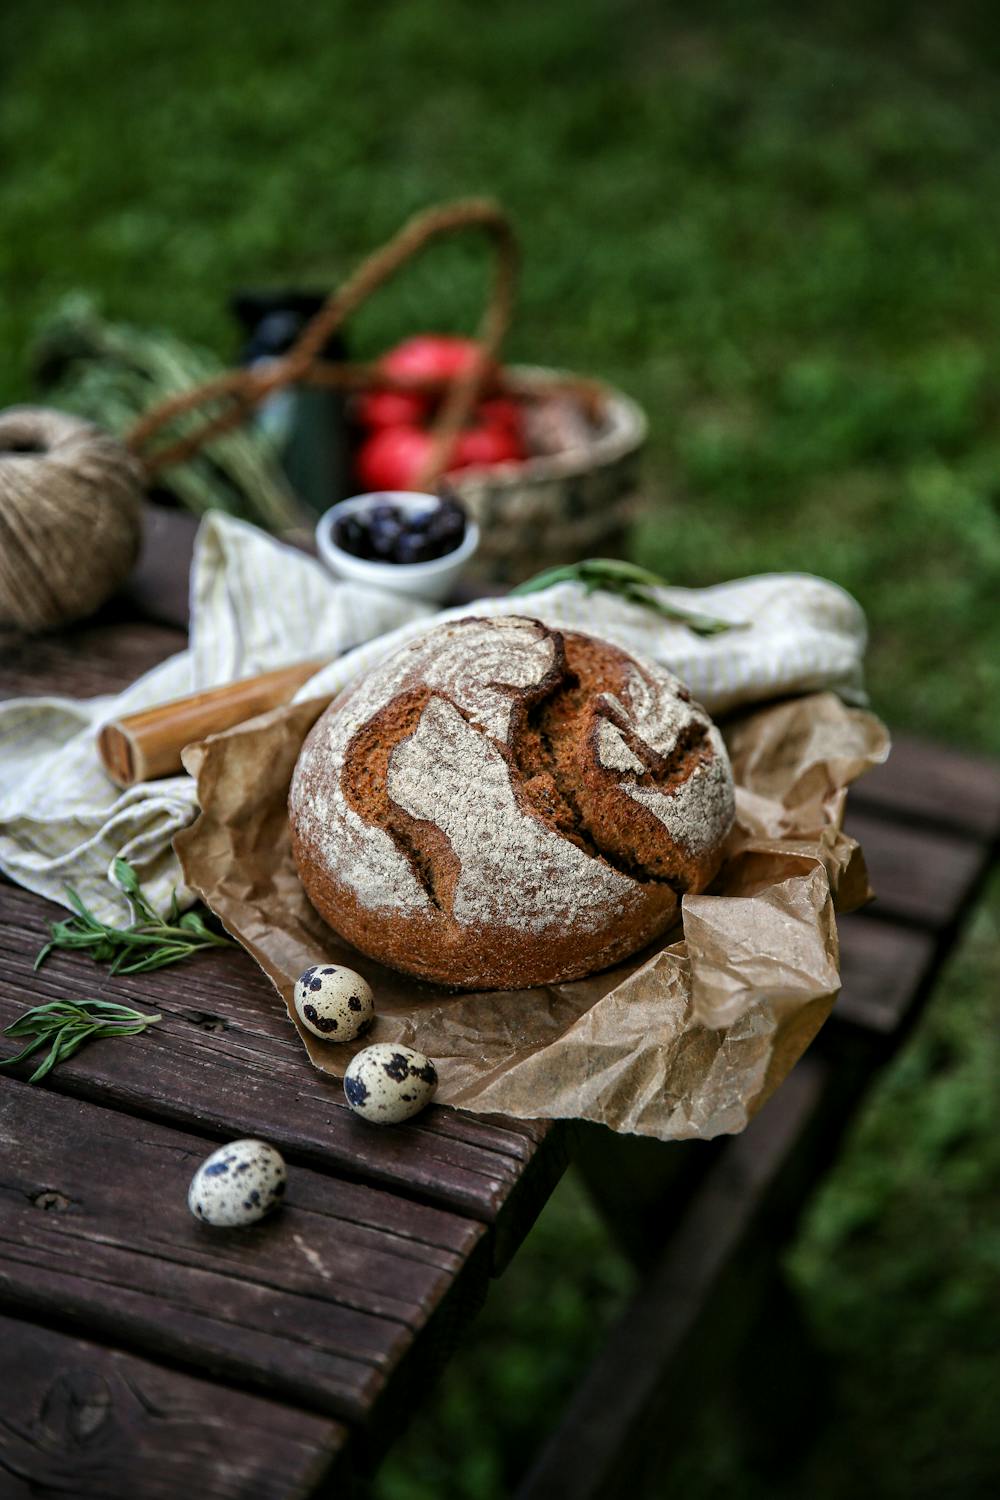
687, 1039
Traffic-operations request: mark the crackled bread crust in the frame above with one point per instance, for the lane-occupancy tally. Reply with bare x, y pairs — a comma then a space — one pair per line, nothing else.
502, 805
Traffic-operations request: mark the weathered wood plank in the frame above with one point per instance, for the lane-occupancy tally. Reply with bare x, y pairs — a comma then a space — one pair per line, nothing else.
934, 785
226, 1060
919, 875
341, 1302
883, 968
684, 1323
93, 1423
100, 656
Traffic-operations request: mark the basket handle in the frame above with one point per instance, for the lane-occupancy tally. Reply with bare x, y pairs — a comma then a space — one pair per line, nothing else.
239, 391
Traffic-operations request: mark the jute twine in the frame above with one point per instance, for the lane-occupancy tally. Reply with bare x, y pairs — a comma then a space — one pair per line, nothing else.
69, 517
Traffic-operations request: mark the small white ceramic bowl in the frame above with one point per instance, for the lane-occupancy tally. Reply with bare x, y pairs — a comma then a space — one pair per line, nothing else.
432, 580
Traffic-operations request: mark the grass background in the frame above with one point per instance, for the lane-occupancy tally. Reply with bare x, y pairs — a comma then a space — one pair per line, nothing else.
779, 228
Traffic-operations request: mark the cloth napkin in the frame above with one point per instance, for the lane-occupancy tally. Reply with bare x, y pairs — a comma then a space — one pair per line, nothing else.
257, 604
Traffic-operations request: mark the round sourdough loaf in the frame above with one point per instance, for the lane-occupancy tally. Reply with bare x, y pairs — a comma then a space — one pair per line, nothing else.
501, 805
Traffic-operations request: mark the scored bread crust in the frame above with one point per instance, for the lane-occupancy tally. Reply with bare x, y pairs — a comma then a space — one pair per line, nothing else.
502, 804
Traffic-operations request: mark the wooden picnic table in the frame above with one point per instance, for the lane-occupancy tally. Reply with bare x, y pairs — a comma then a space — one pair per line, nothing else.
146, 1355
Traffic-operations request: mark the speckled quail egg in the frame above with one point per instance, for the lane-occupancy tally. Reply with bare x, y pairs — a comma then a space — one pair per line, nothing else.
238, 1184
334, 1003
387, 1083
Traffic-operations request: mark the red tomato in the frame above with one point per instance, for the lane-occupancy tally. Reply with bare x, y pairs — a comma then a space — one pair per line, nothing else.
485, 445
391, 409
390, 458
431, 356
500, 411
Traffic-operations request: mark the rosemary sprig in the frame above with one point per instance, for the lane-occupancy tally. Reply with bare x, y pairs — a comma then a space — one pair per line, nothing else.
64, 1025
613, 576
148, 943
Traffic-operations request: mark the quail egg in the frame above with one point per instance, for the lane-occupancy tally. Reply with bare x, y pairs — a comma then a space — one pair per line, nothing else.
387, 1083
334, 1003
238, 1184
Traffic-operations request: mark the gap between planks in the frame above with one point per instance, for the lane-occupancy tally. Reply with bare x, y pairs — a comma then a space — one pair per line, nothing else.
252, 1079
95, 1422
246, 1304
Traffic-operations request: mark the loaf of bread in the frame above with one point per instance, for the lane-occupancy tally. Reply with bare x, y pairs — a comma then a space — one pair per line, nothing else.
502, 805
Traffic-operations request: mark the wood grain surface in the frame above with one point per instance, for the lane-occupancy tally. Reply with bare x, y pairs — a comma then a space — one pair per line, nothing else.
881, 967
321, 1304
102, 655
920, 875
931, 785
88, 1423
226, 1061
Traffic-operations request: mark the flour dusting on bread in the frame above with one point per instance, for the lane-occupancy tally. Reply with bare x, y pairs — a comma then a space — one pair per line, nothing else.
473, 663
502, 803
514, 868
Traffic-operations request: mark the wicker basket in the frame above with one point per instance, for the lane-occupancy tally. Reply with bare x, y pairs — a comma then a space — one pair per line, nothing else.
562, 507
532, 515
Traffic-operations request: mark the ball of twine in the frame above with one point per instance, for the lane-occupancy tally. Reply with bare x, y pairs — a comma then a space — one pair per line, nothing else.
69, 517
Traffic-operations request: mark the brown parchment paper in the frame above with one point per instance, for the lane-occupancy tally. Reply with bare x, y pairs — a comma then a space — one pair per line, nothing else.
688, 1038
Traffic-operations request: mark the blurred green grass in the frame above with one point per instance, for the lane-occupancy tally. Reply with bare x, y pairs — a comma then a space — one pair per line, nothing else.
780, 230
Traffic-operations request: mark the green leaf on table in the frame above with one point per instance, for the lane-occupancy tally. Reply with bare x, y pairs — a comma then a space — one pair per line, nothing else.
64, 1025
149, 942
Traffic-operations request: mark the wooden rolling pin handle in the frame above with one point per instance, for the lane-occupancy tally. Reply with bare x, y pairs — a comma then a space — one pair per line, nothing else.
148, 745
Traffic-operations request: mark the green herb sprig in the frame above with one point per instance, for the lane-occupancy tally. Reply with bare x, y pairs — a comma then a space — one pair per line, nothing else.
148, 943
612, 576
64, 1025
